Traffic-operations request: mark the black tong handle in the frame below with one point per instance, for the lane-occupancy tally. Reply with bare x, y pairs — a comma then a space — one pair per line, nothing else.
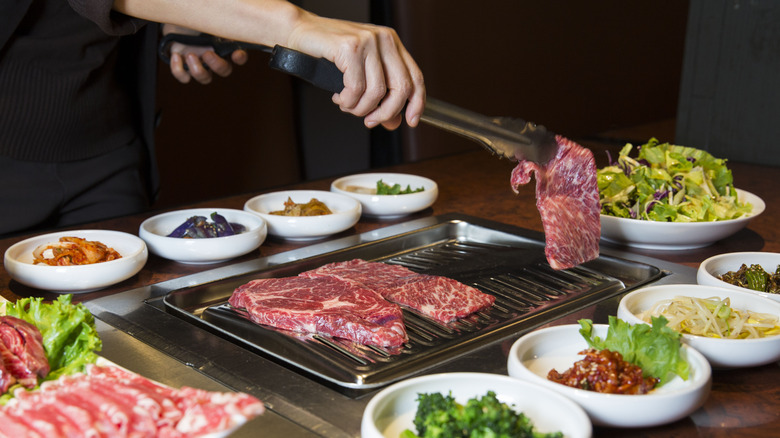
317, 71
222, 47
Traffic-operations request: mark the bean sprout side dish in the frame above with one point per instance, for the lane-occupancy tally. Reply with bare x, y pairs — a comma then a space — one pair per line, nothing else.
713, 317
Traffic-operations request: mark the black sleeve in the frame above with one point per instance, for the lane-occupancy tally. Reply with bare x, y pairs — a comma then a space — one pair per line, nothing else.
101, 13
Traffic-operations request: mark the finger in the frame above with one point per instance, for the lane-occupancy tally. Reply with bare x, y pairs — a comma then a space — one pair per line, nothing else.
415, 107
177, 69
369, 91
239, 57
393, 123
399, 88
353, 66
217, 64
376, 87
406, 88
197, 71
390, 109
416, 102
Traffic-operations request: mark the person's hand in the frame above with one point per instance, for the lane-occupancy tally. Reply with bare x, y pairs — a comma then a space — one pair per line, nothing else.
380, 76
202, 62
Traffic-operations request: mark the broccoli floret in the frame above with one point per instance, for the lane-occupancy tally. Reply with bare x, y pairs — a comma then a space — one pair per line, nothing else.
440, 416
437, 416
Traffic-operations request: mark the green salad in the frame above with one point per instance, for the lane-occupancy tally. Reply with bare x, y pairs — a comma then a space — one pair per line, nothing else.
669, 183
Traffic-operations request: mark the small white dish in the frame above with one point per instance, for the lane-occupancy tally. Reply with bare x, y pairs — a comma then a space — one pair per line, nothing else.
533, 356
714, 267
363, 188
721, 353
156, 229
675, 235
392, 410
345, 214
18, 262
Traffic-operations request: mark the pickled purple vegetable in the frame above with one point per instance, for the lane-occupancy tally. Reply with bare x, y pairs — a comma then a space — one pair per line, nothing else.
199, 227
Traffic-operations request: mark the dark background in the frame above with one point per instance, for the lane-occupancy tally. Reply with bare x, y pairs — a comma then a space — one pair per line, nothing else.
582, 69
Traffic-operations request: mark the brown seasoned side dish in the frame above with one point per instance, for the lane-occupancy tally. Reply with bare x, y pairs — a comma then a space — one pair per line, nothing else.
314, 207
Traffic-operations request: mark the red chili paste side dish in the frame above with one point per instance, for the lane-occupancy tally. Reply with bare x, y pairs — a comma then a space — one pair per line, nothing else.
604, 371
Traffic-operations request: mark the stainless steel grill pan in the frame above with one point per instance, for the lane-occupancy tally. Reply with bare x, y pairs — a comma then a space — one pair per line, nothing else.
510, 266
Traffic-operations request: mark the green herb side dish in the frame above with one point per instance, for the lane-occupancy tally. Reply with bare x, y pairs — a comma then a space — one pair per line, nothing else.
440, 416
385, 189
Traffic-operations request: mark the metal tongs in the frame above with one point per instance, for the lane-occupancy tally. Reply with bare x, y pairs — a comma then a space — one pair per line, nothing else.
511, 138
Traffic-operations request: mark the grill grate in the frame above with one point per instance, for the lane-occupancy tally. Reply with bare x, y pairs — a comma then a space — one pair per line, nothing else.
528, 293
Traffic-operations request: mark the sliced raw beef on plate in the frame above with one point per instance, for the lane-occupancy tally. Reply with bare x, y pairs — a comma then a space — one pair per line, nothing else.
6, 379
440, 298
326, 306
108, 401
22, 357
567, 196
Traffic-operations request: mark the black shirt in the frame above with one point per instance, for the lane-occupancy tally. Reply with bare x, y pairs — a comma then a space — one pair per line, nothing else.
71, 87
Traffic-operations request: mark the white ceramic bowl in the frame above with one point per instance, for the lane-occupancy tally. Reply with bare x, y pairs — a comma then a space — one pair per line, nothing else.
392, 410
18, 262
722, 353
346, 213
675, 235
713, 267
388, 206
535, 354
155, 232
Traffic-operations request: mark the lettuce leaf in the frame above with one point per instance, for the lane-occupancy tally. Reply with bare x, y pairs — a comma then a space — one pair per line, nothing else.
70, 338
655, 348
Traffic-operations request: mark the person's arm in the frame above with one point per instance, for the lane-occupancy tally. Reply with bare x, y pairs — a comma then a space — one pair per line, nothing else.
380, 76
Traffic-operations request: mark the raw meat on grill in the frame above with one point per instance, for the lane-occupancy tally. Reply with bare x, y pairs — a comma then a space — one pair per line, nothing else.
440, 298
567, 197
323, 305
22, 357
108, 401
374, 275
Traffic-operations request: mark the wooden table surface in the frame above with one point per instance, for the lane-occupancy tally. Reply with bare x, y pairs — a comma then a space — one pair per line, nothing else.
743, 402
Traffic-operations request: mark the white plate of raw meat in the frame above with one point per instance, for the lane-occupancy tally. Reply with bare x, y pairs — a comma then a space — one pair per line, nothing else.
675, 235
392, 410
112, 398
